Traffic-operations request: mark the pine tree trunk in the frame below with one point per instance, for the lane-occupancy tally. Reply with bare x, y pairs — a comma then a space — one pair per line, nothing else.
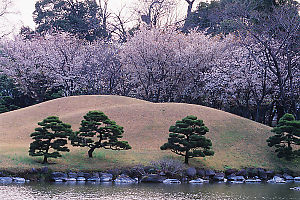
46, 153
90, 152
45, 160
186, 158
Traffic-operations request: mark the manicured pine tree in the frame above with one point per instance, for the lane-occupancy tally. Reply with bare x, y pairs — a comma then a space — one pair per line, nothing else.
50, 138
287, 136
98, 131
187, 139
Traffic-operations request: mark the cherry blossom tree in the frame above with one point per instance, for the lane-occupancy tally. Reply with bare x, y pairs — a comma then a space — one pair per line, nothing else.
273, 44
237, 84
166, 64
21, 60
61, 60
219, 72
252, 71
5, 10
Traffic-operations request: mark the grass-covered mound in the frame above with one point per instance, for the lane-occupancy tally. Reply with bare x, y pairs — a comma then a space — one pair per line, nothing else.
237, 142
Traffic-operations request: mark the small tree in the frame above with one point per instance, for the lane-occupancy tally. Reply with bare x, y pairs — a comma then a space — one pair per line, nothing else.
52, 134
287, 136
98, 131
187, 139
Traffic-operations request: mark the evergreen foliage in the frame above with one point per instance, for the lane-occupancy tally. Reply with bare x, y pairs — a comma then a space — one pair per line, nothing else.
7, 104
187, 139
50, 138
98, 131
81, 18
287, 137
221, 16
9, 94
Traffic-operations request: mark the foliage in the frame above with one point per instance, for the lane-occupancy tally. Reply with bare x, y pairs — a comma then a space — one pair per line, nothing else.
166, 65
81, 18
243, 62
98, 131
7, 104
10, 96
50, 138
170, 167
265, 39
54, 93
220, 16
137, 171
286, 138
8, 90
6, 8
187, 139
61, 63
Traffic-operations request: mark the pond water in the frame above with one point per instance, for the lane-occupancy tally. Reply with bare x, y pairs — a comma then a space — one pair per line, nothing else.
216, 191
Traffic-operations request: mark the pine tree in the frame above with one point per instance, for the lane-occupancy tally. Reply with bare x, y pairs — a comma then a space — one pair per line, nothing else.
50, 138
98, 131
287, 136
187, 139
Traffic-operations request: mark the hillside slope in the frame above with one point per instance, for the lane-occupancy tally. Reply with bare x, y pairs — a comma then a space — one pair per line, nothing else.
237, 142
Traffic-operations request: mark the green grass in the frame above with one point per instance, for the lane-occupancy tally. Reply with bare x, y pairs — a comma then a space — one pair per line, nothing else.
229, 138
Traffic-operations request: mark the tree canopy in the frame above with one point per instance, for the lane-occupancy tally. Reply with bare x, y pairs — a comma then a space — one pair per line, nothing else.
50, 138
98, 131
81, 18
287, 137
186, 138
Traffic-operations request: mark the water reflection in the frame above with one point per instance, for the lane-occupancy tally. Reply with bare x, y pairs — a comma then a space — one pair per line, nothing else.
109, 191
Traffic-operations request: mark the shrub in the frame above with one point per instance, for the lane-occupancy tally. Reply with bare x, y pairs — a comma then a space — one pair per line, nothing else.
168, 166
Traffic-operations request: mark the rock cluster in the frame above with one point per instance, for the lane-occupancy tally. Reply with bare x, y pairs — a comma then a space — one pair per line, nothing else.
7, 180
250, 175
150, 175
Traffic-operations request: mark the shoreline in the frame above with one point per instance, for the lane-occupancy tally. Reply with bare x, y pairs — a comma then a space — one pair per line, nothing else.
147, 174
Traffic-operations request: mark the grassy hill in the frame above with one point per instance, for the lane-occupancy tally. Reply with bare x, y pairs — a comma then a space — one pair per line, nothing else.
237, 142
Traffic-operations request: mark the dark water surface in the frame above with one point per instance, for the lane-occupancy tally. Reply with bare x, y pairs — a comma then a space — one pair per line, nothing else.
148, 191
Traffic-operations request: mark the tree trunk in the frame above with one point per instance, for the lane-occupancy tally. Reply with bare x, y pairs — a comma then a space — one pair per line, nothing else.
46, 153
189, 10
280, 110
45, 160
90, 152
289, 140
271, 117
188, 14
186, 158
257, 115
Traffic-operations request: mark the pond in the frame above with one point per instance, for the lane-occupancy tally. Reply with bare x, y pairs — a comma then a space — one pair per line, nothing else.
149, 191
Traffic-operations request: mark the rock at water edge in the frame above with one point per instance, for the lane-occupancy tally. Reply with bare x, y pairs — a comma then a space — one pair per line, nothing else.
171, 181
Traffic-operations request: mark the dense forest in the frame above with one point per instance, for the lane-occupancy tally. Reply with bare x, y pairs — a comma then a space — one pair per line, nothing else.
240, 56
